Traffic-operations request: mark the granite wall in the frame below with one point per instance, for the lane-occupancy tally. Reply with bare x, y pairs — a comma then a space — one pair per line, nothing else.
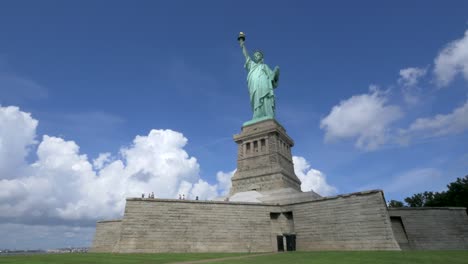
160, 225
430, 228
107, 236
357, 221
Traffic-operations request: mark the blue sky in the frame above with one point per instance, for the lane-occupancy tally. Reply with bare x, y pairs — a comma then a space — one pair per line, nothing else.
373, 93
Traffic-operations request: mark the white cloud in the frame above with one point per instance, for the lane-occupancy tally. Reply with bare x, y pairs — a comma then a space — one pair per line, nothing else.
312, 179
17, 133
452, 60
101, 160
62, 186
365, 117
204, 190
409, 77
440, 125
409, 80
224, 181
19, 236
411, 96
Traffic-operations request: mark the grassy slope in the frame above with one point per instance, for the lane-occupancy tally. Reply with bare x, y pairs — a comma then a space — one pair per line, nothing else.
104, 258
361, 257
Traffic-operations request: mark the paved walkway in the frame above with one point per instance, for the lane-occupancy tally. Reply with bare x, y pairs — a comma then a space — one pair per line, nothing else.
222, 259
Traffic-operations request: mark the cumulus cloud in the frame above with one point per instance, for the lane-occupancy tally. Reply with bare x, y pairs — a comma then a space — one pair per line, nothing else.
451, 61
312, 179
204, 190
64, 186
101, 160
440, 125
410, 77
365, 117
224, 181
17, 134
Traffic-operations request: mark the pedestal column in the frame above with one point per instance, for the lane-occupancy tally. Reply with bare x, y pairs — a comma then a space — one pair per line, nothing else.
264, 160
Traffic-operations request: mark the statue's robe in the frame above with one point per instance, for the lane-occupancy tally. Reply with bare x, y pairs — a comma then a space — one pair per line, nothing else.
261, 81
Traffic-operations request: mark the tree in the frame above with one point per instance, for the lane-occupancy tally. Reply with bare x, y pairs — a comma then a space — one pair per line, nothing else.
419, 199
456, 196
395, 204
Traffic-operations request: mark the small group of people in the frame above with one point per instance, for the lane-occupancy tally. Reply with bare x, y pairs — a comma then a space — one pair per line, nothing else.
182, 197
150, 195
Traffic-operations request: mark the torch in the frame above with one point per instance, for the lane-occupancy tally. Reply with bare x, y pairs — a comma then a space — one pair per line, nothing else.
241, 37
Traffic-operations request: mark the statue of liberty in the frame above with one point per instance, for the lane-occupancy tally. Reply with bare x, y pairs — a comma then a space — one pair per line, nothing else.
261, 81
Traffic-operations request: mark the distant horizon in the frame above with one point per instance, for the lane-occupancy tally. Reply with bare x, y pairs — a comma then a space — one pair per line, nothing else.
2, 251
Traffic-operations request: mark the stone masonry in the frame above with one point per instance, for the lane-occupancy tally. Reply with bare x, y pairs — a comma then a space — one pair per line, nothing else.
357, 221
107, 236
166, 225
429, 228
264, 160
163, 225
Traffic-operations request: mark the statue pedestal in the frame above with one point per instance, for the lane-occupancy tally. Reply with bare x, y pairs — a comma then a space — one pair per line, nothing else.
264, 160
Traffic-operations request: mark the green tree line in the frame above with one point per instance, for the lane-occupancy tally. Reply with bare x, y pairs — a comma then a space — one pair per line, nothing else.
455, 196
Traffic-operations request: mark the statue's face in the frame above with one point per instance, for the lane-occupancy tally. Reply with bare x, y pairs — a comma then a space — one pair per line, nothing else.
258, 56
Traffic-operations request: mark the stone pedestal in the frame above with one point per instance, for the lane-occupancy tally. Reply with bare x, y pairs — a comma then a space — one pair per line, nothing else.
264, 160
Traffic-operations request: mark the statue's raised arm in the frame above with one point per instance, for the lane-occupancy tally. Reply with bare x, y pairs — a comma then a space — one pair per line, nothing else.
261, 81
241, 39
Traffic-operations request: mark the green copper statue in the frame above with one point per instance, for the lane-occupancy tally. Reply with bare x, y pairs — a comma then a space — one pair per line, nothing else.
261, 81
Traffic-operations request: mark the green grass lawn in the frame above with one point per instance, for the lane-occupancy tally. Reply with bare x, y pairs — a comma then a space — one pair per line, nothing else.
360, 257
107, 258
327, 257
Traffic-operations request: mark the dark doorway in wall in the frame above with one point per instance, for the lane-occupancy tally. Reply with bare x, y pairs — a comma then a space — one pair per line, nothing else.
290, 242
279, 240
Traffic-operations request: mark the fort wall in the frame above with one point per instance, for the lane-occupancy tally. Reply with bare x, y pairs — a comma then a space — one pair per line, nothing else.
356, 221
163, 225
429, 228
107, 236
